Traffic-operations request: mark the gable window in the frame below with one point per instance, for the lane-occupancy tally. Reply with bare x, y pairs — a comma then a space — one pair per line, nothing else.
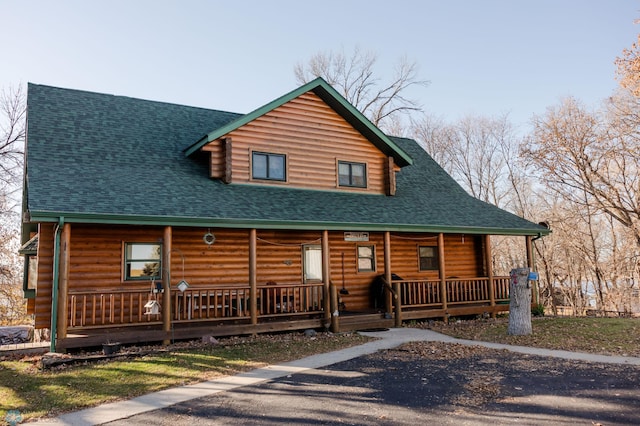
428, 258
268, 166
352, 174
366, 258
142, 261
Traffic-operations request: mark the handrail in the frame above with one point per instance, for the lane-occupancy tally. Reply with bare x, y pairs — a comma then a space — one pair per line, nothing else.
389, 287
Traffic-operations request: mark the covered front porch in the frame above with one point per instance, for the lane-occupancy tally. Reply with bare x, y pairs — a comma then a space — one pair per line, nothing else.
165, 311
97, 318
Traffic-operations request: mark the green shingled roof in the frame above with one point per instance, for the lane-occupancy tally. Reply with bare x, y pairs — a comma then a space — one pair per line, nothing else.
110, 159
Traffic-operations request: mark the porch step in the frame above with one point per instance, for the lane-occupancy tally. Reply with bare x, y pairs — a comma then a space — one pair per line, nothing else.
356, 322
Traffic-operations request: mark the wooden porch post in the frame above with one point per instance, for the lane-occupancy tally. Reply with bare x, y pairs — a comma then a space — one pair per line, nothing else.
395, 296
166, 282
443, 276
326, 278
531, 265
387, 271
335, 311
253, 279
489, 263
63, 286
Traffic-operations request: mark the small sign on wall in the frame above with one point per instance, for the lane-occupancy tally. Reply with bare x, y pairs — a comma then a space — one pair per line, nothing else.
356, 236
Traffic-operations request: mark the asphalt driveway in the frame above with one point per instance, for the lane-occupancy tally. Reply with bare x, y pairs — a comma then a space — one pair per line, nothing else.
426, 382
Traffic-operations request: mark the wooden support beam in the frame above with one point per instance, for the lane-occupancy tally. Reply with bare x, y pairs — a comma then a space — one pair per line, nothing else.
166, 280
397, 305
529, 248
531, 264
326, 277
489, 265
253, 277
335, 309
387, 271
443, 275
63, 283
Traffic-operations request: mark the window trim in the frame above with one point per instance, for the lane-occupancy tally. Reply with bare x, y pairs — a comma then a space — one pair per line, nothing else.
267, 155
436, 266
373, 258
126, 261
351, 164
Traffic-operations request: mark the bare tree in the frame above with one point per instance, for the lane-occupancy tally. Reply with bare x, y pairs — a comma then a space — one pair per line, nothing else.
12, 134
481, 153
587, 162
354, 77
437, 137
628, 68
12, 302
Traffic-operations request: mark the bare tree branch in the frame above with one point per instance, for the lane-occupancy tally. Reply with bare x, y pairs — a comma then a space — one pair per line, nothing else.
12, 134
354, 78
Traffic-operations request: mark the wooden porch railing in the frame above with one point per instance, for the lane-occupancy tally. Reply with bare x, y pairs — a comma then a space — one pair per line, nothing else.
126, 307
290, 299
427, 293
234, 302
95, 309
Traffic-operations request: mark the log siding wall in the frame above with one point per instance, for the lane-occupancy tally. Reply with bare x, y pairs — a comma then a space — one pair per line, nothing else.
96, 260
313, 137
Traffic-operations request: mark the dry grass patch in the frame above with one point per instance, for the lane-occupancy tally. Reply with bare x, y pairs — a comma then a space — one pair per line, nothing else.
606, 336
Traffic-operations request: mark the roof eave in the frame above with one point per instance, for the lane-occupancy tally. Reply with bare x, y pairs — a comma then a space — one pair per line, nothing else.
48, 216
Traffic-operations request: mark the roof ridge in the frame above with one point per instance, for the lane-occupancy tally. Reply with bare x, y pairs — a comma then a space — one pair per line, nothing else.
91, 92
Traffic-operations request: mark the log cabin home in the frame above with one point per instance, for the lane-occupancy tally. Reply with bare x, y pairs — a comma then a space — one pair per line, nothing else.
147, 221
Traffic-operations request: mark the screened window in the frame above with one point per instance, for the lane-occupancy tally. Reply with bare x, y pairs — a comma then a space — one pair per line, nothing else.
366, 259
352, 174
268, 166
142, 261
428, 258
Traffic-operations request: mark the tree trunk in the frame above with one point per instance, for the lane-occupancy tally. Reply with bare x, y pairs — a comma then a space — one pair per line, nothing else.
519, 303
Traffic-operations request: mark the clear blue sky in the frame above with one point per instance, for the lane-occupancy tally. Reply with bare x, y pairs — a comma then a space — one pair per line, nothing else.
482, 57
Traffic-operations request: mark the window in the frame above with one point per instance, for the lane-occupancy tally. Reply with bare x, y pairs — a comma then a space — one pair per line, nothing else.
268, 166
428, 258
366, 259
352, 174
142, 261
312, 262
32, 275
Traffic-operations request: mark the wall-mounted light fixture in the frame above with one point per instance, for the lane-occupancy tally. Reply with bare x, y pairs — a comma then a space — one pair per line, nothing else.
209, 238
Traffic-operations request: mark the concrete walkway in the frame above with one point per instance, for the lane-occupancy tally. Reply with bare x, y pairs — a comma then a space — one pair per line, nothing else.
387, 339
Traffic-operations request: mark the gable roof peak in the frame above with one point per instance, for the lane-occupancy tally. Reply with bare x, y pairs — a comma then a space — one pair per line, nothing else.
331, 97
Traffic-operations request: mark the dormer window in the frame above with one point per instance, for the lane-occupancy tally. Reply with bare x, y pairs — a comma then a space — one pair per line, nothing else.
352, 174
268, 166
